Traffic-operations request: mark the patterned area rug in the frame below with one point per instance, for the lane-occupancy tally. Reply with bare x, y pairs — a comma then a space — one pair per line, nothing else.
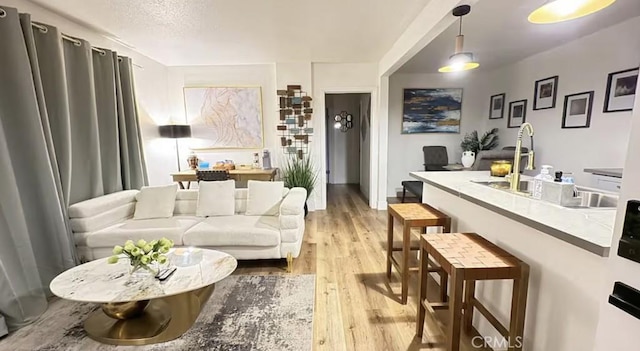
244, 313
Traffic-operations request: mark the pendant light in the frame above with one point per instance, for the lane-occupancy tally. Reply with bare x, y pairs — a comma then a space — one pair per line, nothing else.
460, 60
554, 11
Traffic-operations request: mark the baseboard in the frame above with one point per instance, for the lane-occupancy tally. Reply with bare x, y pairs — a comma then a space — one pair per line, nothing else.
382, 205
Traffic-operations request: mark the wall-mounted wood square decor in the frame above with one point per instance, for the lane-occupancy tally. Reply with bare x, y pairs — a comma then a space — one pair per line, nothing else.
295, 127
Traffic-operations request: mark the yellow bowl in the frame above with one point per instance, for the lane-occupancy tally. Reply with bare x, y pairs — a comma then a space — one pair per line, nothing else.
500, 168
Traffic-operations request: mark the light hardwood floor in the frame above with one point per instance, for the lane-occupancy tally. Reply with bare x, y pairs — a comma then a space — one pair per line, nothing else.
356, 307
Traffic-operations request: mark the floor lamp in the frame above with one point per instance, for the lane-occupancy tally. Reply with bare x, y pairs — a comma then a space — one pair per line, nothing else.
176, 131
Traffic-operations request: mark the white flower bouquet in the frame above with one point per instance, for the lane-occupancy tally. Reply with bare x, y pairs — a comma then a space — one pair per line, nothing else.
142, 254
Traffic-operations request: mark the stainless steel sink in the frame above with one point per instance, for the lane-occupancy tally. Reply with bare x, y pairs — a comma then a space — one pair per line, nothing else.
586, 197
590, 198
504, 185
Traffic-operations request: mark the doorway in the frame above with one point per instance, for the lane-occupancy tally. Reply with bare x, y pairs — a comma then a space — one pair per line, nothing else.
348, 120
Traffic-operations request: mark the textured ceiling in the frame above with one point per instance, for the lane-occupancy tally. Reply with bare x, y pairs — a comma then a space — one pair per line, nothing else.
186, 32
498, 33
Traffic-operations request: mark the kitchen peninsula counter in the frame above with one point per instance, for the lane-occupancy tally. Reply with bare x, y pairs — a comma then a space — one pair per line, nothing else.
566, 249
589, 229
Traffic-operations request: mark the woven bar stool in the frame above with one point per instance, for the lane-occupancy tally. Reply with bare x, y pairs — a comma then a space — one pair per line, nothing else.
468, 258
412, 215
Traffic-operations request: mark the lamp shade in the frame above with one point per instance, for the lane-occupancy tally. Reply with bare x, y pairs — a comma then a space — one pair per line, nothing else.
175, 131
564, 10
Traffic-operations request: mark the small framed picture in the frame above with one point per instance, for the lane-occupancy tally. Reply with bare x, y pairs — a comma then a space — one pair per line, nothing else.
497, 106
517, 113
621, 90
577, 110
545, 93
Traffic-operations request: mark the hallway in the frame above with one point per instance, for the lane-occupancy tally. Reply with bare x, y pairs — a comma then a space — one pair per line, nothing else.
344, 247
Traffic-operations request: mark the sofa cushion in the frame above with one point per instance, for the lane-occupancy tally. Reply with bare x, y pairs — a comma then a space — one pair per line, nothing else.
263, 198
156, 202
236, 230
100, 204
216, 198
147, 229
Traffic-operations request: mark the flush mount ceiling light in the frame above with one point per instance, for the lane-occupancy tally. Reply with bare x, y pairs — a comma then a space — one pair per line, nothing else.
554, 11
460, 60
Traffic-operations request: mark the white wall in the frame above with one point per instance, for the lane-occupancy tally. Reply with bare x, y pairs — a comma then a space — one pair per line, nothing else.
582, 65
236, 75
365, 145
150, 80
405, 150
343, 147
617, 330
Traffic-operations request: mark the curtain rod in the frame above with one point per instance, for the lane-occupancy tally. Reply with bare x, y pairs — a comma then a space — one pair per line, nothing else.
75, 41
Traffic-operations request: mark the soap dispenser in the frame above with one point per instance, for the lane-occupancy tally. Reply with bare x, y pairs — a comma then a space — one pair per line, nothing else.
544, 176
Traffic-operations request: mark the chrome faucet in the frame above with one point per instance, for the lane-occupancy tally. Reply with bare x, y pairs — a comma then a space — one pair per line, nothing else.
514, 179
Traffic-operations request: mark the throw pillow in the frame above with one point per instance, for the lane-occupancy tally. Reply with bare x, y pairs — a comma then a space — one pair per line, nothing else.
264, 198
156, 202
216, 198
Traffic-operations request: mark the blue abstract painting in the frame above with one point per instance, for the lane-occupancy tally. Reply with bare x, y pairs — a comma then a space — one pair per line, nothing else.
432, 110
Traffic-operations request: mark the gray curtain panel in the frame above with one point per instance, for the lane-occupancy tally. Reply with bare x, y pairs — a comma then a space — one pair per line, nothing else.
36, 242
68, 132
134, 171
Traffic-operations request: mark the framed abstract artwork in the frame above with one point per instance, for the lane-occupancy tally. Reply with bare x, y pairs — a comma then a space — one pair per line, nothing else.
224, 117
621, 90
517, 113
496, 109
545, 93
577, 110
431, 110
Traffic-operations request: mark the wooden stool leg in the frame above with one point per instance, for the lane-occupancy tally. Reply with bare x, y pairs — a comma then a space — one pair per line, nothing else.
469, 296
389, 244
406, 250
455, 310
446, 228
518, 309
444, 282
423, 277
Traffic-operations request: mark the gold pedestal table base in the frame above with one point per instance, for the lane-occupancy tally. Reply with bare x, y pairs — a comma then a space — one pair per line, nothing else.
163, 319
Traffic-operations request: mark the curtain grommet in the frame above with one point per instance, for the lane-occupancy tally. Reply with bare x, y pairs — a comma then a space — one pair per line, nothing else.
3, 13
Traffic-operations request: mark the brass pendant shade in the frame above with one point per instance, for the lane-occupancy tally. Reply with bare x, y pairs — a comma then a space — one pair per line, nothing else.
555, 11
460, 60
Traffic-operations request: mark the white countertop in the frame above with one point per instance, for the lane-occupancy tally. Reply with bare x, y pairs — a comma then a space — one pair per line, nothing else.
100, 282
591, 229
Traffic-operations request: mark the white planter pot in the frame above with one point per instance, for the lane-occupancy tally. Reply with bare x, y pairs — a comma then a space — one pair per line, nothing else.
468, 158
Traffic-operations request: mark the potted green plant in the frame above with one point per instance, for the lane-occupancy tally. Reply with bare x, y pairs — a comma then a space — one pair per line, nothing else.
471, 145
300, 172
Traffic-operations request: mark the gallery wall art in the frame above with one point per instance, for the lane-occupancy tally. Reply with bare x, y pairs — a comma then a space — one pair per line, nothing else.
577, 110
224, 117
545, 93
496, 109
517, 113
295, 126
432, 110
621, 90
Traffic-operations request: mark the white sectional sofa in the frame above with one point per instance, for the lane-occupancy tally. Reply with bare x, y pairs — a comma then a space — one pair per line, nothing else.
99, 224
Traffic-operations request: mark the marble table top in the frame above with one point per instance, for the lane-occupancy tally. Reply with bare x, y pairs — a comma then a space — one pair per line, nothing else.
100, 282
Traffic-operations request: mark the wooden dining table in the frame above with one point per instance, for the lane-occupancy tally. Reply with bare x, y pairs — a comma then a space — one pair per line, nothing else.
239, 175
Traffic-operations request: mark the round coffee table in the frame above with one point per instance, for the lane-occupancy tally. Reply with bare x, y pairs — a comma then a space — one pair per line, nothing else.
139, 309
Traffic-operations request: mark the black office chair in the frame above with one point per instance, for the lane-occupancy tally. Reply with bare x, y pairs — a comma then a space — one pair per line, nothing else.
212, 176
435, 158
